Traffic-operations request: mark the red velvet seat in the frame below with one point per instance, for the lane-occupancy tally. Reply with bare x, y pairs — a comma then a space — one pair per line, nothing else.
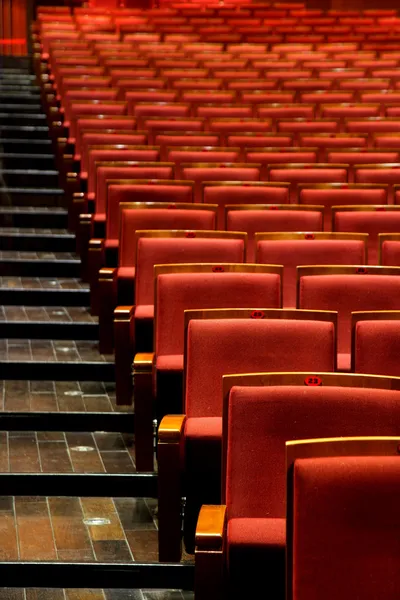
295, 249
156, 125
204, 172
375, 342
332, 141
227, 126
388, 173
166, 140
193, 154
297, 339
179, 288
389, 249
259, 140
338, 194
307, 173
348, 289
100, 122
324, 492
236, 192
135, 333
253, 218
143, 110
302, 126
367, 219
243, 541
108, 138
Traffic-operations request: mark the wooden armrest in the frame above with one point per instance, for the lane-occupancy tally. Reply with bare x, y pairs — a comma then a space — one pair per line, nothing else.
96, 244
85, 218
124, 313
72, 177
210, 530
171, 428
107, 274
143, 362
78, 197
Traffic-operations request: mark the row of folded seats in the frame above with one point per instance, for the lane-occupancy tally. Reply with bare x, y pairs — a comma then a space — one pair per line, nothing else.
236, 208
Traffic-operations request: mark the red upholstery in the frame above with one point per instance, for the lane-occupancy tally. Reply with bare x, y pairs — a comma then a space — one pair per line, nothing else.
389, 174
255, 489
200, 173
237, 345
348, 293
100, 123
307, 174
326, 491
390, 253
142, 153
377, 343
242, 193
156, 125
178, 292
101, 138
337, 195
358, 110
134, 170
373, 221
286, 111
274, 219
307, 251
153, 251
225, 111
157, 218
259, 140
205, 153
357, 158
228, 126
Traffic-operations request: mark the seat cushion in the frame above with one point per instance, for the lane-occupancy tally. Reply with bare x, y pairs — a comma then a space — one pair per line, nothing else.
144, 311
170, 362
256, 556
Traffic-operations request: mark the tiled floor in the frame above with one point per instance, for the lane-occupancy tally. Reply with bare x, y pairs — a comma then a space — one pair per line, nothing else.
70, 314
55, 396
66, 452
51, 350
45, 283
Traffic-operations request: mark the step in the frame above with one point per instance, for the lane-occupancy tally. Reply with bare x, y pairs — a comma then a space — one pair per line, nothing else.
59, 240
38, 197
55, 322
29, 107
25, 146
24, 132
27, 88
63, 360
23, 96
29, 178
33, 217
22, 118
43, 291
15, 75
14, 160
39, 264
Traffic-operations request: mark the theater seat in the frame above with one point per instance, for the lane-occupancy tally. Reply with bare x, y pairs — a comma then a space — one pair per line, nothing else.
179, 288
242, 542
133, 323
389, 249
376, 342
361, 479
348, 289
267, 339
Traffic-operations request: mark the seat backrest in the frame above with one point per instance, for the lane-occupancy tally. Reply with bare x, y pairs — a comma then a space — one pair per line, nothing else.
101, 139
158, 215
295, 249
114, 153
250, 340
127, 170
209, 154
355, 156
389, 249
101, 123
202, 172
367, 219
325, 492
290, 406
164, 247
379, 173
156, 125
307, 173
254, 218
341, 194
348, 289
237, 192
249, 139
143, 191
375, 342
208, 286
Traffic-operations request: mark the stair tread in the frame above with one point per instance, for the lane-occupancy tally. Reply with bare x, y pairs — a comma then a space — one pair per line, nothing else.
26, 190
18, 256
51, 351
42, 283
40, 314
33, 209
32, 232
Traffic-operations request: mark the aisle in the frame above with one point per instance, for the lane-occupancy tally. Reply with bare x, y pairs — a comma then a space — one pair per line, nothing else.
53, 381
